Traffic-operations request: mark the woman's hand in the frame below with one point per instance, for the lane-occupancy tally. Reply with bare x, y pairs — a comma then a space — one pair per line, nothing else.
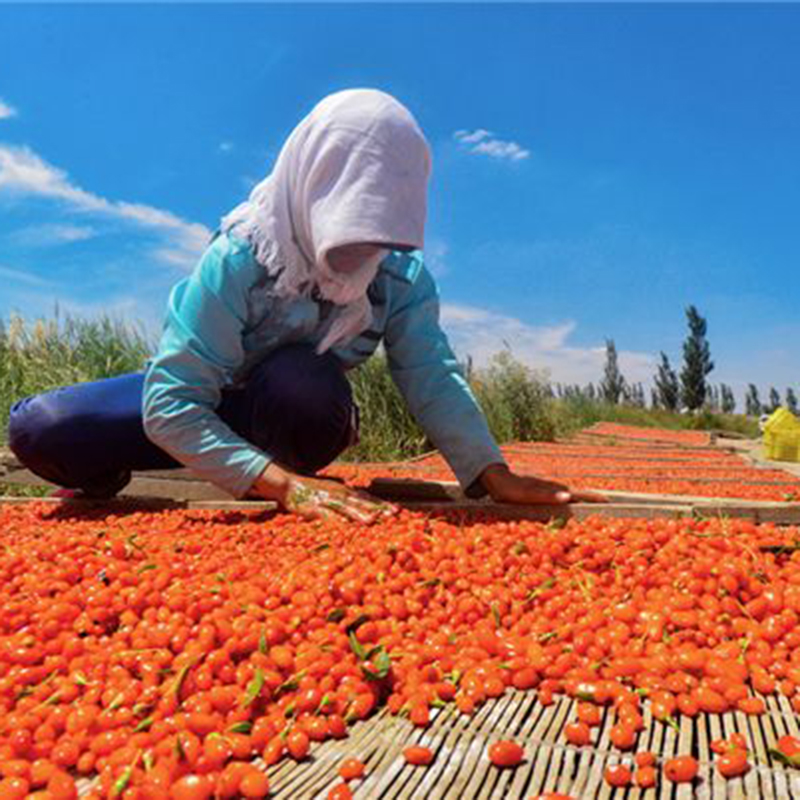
504, 486
316, 498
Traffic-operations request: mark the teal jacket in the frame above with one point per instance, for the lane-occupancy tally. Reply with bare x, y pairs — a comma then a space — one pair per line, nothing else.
223, 319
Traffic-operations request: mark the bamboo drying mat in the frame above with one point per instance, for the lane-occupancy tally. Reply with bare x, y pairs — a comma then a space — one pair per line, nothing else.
461, 768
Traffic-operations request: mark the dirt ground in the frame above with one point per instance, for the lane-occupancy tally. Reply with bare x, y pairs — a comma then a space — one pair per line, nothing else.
753, 450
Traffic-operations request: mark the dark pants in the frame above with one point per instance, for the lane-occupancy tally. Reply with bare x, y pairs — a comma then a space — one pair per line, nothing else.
296, 406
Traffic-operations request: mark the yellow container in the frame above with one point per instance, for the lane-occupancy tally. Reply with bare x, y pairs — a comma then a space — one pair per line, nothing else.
782, 420
782, 436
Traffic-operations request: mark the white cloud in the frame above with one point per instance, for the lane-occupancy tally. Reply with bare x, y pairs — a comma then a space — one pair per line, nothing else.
469, 138
51, 234
22, 276
23, 172
481, 141
45, 300
499, 149
481, 334
225, 147
6, 111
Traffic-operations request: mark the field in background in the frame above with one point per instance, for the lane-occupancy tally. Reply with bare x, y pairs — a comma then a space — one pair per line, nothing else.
41, 355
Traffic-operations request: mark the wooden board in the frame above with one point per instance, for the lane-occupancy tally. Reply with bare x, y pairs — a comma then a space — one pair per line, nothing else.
420, 489
123, 503
467, 509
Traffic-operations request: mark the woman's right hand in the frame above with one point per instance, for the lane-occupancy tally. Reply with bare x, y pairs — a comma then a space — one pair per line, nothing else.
318, 498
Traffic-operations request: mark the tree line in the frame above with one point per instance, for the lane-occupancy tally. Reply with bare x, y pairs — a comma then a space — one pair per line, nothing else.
688, 390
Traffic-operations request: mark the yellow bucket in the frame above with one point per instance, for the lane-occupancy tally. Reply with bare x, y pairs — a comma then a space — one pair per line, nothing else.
782, 436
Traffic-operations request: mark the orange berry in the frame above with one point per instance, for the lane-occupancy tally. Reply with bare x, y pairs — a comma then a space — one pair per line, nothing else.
418, 756
506, 753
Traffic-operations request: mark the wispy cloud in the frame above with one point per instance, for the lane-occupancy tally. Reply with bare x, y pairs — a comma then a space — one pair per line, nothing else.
436, 257
6, 111
483, 142
51, 234
23, 172
225, 147
481, 333
22, 276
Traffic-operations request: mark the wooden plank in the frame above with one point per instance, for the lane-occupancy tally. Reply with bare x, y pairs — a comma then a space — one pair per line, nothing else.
413, 489
790, 515
122, 503
177, 489
444, 491
565, 477
562, 451
787, 515
142, 485
24, 477
543, 513
634, 441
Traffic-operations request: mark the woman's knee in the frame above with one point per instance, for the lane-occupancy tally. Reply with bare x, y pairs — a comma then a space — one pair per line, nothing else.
34, 428
305, 383
302, 408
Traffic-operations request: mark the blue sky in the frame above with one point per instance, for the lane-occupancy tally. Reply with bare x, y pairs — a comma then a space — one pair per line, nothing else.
596, 167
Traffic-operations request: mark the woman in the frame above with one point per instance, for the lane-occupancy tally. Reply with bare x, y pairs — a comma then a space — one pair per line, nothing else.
300, 283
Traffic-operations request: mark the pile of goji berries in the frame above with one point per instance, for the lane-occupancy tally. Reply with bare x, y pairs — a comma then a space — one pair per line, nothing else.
628, 466
661, 435
163, 651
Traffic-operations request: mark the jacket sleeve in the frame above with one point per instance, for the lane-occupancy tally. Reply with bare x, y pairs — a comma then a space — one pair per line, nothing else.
200, 349
428, 376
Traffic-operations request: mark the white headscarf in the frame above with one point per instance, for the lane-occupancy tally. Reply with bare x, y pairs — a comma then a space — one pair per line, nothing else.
355, 170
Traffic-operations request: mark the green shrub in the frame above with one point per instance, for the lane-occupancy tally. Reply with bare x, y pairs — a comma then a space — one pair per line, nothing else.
515, 400
388, 431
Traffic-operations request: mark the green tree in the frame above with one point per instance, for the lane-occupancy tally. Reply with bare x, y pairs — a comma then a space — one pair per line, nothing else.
697, 363
774, 400
667, 388
612, 387
752, 403
791, 400
728, 401
712, 398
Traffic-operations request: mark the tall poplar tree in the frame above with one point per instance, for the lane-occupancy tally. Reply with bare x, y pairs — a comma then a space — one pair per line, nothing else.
728, 401
697, 363
612, 387
667, 388
752, 403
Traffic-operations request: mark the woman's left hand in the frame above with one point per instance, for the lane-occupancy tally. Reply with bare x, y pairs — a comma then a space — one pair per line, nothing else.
505, 486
